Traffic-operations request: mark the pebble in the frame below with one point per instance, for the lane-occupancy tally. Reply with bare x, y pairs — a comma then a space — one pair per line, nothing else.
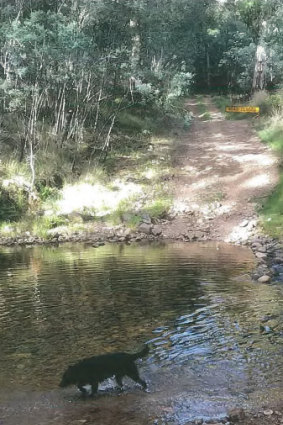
236, 415
156, 230
145, 228
268, 412
244, 223
264, 279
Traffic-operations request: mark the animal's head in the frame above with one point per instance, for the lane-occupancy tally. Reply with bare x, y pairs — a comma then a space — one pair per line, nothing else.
67, 378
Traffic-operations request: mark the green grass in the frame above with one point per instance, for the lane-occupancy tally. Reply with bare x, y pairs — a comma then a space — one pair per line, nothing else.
202, 109
206, 116
272, 211
11, 169
35, 226
222, 101
133, 123
273, 135
159, 208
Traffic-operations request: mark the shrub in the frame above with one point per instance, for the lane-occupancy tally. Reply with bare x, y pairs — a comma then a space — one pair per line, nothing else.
13, 203
267, 103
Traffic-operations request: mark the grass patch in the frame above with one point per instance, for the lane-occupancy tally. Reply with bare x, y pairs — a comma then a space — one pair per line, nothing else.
222, 101
34, 226
159, 208
272, 133
204, 114
272, 211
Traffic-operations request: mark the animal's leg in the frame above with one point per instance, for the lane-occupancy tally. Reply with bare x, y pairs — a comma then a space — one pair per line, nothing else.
133, 373
82, 389
94, 388
119, 381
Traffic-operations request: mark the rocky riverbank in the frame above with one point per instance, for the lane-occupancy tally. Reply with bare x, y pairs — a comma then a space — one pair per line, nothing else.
240, 416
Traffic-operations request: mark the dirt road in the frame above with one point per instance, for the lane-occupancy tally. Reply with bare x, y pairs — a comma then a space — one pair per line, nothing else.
222, 172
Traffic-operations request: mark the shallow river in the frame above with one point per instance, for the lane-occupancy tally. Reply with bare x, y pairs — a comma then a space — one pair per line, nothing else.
216, 338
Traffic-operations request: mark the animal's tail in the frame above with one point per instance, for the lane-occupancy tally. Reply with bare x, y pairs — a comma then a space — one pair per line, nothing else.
141, 353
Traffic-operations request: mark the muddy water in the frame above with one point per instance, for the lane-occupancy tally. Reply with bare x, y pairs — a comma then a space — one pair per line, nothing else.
215, 337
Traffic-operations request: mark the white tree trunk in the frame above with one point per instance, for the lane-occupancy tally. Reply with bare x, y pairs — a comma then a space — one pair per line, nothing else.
259, 71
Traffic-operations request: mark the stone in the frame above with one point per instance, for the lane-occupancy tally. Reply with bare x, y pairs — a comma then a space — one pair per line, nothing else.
236, 415
264, 279
145, 228
268, 412
265, 329
156, 230
244, 223
127, 233
260, 255
98, 244
146, 218
261, 248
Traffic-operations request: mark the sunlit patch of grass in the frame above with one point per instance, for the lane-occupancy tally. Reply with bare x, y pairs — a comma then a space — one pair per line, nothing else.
84, 195
273, 133
272, 212
41, 226
12, 169
204, 114
33, 226
159, 207
94, 174
125, 207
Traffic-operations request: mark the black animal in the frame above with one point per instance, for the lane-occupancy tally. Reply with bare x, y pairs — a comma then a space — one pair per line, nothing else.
96, 369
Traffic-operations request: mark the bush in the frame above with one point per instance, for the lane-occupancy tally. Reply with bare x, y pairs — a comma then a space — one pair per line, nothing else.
159, 208
273, 133
267, 103
13, 204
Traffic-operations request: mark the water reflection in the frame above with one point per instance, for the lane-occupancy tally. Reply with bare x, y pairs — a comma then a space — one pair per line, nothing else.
58, 305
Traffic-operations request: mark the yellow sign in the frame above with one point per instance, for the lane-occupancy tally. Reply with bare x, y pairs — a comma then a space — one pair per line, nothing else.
243, 109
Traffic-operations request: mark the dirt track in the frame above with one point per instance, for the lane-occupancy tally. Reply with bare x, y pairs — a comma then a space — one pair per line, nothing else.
222, 172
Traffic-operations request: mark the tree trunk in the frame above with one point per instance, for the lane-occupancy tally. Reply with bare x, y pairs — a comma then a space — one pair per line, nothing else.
136, 46
208, 68
259, 71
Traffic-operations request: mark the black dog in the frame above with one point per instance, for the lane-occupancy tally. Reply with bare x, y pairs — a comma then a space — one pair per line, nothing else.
96, 369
